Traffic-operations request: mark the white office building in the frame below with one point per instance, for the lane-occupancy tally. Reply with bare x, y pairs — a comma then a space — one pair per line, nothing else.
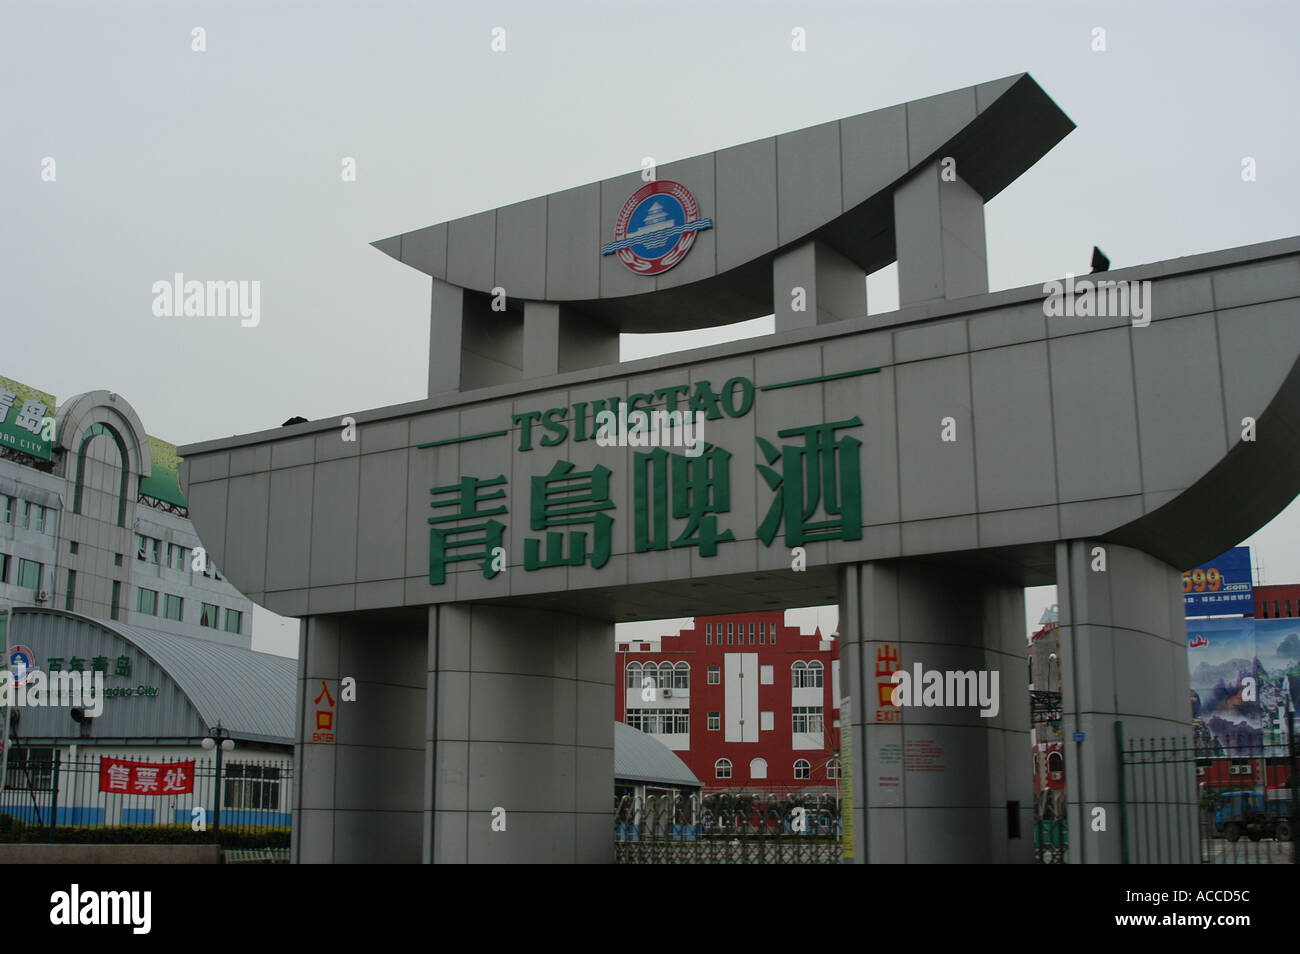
93, 521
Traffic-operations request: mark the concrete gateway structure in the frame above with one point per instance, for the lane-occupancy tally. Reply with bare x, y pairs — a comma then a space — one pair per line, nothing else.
465, 559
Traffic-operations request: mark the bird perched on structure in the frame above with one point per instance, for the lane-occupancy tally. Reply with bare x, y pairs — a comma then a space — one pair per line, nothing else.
1100, 263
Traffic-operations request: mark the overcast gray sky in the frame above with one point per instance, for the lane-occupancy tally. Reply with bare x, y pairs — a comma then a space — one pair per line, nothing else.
225, 163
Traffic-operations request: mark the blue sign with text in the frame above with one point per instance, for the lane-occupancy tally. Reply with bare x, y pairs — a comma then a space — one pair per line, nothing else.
1221, 587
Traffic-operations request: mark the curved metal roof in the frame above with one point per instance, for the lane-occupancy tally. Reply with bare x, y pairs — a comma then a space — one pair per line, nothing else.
251, 694
642, 758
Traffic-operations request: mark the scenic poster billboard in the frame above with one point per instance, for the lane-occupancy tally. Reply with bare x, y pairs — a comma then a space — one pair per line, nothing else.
1244, 673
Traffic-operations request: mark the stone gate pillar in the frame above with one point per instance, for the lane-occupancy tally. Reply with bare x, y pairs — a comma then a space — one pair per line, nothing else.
459, 710
936, 783
1123, 658
359, 787
521, 718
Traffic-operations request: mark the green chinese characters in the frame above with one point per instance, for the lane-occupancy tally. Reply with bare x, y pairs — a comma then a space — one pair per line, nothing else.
677, 501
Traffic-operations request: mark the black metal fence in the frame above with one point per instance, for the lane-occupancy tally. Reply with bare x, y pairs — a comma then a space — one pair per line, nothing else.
1227, 799
743, 828
48, 795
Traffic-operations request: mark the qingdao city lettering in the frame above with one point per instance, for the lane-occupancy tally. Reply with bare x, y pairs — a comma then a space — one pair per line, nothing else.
74, 690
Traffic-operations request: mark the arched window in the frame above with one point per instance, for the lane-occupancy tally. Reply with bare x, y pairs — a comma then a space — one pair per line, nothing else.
634, 675
833, 768
757, 768
722, 768
814, 676
95, 430
682, 676
1055, 762
802, 769
665, 675
798, 674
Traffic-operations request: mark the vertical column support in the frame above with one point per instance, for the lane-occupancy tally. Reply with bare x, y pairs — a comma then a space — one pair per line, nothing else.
559, 339
939, 238
358, 798
541, 339
937, 782
314, 769
446, 325
1124, 641
860, 688
520, 747
812, 284
472, 345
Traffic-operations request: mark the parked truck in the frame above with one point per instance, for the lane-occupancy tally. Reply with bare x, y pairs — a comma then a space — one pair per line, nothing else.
1254, 814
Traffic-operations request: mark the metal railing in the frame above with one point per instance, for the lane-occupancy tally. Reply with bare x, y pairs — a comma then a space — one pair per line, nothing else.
50, 797
1226, 799
742, 828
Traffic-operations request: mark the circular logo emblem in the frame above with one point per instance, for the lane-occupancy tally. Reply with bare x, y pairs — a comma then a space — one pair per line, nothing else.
656, 228
22, 661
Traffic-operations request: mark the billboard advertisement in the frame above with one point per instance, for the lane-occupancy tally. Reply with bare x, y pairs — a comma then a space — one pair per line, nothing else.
1244, 674
26, 419
163, 483
1220, 587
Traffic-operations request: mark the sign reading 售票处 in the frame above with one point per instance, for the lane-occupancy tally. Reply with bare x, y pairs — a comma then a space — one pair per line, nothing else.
26, 419
677, 499
145, 778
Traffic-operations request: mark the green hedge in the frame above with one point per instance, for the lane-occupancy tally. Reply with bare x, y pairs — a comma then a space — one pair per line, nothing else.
14, 830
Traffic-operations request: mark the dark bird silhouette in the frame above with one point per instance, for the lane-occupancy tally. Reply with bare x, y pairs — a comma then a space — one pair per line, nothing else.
1100, 263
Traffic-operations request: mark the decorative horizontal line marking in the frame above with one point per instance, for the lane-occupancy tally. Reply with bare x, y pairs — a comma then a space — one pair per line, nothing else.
462, 440
661, 236
824, 377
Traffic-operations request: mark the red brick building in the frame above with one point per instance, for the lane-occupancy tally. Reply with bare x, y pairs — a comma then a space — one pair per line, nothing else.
1277, 602
743, 699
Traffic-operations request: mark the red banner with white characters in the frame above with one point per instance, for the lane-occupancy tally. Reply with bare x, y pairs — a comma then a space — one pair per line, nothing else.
145, 778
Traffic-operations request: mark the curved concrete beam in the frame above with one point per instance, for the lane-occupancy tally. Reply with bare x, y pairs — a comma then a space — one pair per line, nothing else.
832, 182
1065, 428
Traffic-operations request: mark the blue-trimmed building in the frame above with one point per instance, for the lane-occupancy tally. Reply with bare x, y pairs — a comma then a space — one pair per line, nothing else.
164, 693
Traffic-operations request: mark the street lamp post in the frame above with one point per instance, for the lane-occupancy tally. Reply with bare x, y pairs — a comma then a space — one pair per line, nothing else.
218, 739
